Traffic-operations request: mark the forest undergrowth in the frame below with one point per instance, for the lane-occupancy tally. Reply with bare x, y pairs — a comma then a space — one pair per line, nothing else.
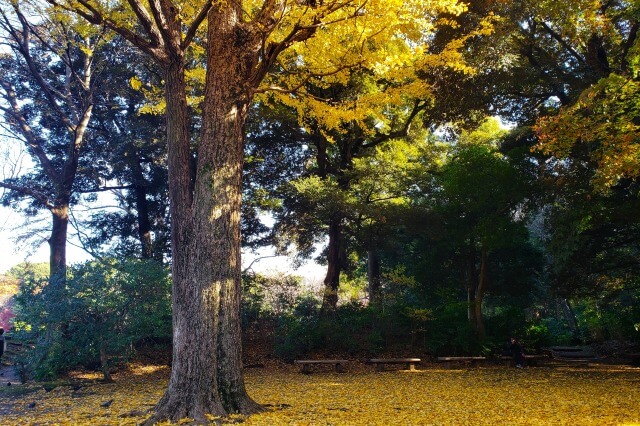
547, 395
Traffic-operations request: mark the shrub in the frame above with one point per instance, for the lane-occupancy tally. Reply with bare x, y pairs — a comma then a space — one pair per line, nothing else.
95, 317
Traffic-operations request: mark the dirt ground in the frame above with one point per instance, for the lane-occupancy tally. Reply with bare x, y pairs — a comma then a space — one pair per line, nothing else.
8, 376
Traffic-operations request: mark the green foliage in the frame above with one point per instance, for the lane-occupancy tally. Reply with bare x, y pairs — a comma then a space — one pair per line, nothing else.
96, 318
608, 114
614, 319
549, 331
268, 297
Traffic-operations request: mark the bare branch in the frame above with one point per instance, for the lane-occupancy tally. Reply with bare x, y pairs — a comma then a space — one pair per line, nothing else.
257, 259
104, 189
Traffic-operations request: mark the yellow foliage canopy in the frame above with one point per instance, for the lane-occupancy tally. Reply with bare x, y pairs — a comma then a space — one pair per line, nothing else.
364, 61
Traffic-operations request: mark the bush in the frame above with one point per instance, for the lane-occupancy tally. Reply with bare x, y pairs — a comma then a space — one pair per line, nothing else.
268, 297
613, 319
95, 317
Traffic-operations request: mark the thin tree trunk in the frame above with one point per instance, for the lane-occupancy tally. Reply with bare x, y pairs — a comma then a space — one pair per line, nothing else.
569, 316
471, 287
373, 277
334, 265
479, 296
58, 244
142, 209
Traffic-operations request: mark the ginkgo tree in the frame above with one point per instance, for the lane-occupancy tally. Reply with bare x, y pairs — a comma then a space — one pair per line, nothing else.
245, 42
350, 111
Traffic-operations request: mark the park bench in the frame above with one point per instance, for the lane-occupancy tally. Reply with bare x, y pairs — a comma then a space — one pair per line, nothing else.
578, 353
449, 360
531, 359
572, 352
340, 364
379, 363
633, 357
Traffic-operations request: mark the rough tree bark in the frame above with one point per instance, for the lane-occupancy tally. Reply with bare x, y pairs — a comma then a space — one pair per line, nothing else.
206, 247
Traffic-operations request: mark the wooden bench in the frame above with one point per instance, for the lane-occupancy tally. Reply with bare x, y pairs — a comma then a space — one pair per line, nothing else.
634, 358
531, 359
380, 363
448, 360
572, 352
340, 364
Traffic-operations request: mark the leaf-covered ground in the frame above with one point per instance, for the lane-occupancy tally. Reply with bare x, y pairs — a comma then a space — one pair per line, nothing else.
557, 395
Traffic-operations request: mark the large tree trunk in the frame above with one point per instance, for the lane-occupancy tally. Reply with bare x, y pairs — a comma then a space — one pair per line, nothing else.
192, 389
206, 254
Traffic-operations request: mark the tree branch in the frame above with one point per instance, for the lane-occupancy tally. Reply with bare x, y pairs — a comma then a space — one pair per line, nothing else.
193, 28
22, 41
155, 49
297, 34
418, 106
104, 189
146, 21
563, 42
30, 192
33, 142
627, 45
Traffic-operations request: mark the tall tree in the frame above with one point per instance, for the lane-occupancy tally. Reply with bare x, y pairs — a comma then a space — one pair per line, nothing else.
350, 114
592, 139
476, 206
244, 42
48, 81
129, 159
